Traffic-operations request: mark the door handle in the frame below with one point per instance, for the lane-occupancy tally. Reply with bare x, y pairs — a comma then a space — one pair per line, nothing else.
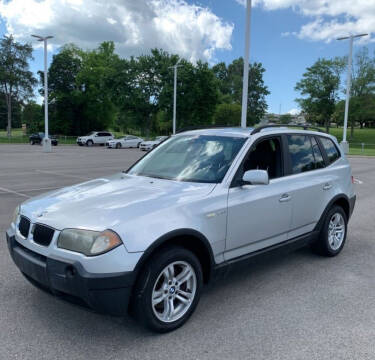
285, 197
327, 186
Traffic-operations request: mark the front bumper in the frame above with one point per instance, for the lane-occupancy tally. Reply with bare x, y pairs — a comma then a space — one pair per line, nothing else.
104, 293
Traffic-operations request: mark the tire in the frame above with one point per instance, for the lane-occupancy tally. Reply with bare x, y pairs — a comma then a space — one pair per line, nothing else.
153, 281
118, 146
138, 145
31, 142
332, 236
89, 143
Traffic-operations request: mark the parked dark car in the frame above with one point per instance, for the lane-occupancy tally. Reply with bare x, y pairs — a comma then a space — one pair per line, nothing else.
38, 138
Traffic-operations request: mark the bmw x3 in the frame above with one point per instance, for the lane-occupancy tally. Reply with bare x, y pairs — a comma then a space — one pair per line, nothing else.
145, 240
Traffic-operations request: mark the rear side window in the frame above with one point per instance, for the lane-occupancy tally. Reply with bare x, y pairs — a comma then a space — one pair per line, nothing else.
301, 153
330, 148
319, 161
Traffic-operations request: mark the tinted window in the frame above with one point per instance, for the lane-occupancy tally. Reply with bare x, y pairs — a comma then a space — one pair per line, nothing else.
319, 161
330, 148
301, 153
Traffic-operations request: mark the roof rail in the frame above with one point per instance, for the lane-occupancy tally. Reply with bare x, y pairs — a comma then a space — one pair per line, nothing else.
202, 127
305, 127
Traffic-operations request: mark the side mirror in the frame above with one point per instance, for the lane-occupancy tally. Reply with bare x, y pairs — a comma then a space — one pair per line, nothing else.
256, 177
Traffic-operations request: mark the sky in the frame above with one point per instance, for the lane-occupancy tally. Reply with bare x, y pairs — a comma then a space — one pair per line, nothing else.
287, 36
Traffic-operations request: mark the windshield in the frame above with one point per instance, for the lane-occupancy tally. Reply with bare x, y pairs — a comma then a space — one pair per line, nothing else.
196, 158
90, 133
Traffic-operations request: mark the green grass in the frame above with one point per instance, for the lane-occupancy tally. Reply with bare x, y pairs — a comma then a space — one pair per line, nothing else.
366, 136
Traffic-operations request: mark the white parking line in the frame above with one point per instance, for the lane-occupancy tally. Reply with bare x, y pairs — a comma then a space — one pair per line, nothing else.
9, 191
357, 181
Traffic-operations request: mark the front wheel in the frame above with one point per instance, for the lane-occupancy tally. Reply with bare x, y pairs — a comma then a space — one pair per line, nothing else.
31, 142
89, 143
118, 146
168, 289
332, 236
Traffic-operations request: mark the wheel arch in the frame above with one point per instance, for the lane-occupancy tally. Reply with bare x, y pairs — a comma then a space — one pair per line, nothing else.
340, 200
190, 239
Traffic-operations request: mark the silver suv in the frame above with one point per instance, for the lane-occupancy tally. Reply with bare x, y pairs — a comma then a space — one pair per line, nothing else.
147, 239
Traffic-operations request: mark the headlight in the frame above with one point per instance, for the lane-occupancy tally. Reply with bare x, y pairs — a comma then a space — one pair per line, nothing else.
15, 214
88, 242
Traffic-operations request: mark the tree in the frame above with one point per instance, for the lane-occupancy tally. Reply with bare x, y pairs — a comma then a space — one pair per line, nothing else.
95, 80
32, 116
320, 84
363, 78
64, 95
227, 115
16, 81
230, 84
361, 110
286, 118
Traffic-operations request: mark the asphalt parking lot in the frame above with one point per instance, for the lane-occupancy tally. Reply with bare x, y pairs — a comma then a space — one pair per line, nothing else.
298, 306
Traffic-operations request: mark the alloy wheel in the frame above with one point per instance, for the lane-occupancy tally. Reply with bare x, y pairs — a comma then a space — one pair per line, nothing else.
174, 291
336, 231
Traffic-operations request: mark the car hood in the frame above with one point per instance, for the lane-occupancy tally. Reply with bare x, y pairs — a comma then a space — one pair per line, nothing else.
106, 202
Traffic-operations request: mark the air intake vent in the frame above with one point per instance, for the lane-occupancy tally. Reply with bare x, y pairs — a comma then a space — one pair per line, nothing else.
24, 226
43, 234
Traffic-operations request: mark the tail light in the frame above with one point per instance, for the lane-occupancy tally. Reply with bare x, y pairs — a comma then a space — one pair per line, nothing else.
352, 179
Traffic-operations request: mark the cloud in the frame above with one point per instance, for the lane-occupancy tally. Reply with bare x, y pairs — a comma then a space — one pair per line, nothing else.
191, 31
294, 111
327, 19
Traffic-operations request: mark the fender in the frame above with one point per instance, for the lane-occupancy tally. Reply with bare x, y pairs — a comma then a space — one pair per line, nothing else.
333, 200
194, 234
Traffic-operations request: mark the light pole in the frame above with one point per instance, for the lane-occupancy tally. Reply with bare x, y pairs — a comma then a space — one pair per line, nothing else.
344, 144
175, 94
245, 83
46, 140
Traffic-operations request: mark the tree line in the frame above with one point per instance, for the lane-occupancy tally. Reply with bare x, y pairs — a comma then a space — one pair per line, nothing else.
97, 90
323, 83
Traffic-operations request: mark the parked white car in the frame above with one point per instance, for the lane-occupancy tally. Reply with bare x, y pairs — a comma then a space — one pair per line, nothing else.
148, 238
149, 145
95, 138
128, 141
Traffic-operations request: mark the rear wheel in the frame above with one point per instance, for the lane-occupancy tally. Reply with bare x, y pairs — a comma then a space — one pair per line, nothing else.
138, 145
168, 289
332, 236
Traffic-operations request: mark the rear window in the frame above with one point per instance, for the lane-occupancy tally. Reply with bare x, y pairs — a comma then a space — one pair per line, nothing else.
330, 149
301, 153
